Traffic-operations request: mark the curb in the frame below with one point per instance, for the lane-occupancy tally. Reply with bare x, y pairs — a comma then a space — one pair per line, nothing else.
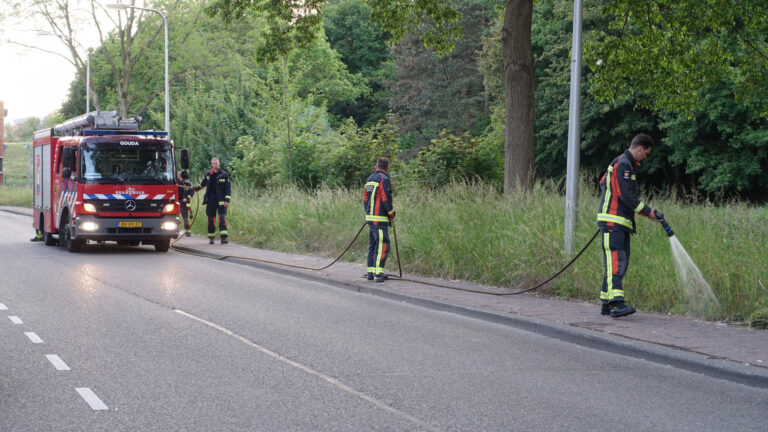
660, 354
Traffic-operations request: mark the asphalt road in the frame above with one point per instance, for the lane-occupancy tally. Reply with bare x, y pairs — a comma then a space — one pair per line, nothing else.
170, 342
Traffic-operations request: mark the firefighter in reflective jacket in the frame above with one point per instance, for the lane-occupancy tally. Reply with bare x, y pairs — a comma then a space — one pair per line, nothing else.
185, 194
217, 196
377, 202
616, 219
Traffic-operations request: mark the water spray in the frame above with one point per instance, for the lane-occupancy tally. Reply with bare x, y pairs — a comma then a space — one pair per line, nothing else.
702, 302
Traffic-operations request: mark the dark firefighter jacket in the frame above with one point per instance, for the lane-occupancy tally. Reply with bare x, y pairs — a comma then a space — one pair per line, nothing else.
377, 199
618, 189
217, 187
185, 191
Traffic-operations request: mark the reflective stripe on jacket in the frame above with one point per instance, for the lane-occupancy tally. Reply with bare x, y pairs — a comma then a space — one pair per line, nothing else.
377, 198
618, 191
217, 187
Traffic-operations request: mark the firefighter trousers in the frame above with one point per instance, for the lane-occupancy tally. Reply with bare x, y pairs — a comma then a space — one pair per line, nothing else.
212, 210
378, 248
615, 263
186, 213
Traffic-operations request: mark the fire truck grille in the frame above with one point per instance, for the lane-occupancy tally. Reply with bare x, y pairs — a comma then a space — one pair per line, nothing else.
143, 206
129, 230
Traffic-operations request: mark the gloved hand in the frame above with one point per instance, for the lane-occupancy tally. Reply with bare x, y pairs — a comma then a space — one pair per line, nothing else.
391, 215
659, 215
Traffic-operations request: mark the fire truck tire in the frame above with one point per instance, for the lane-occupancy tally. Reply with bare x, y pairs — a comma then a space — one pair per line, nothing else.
47, 237
163, 245
72, 245
49, 240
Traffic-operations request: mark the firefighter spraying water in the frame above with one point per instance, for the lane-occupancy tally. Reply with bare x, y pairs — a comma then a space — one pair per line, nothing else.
701, 300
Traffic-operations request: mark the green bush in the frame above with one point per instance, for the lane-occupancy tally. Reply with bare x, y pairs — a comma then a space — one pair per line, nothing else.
451, 158
351, 163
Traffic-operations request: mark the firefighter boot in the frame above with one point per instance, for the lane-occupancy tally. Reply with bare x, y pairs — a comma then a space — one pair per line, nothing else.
187, 234
370, 275
605, 309
379, 278
224, 240
621, 309
210, 240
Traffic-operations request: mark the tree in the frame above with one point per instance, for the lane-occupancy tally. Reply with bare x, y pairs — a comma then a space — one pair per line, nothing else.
364, 48
63, 22
431, 93
672, 49
399, 17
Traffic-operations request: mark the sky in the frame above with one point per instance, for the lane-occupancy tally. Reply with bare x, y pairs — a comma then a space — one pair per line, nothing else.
34, 83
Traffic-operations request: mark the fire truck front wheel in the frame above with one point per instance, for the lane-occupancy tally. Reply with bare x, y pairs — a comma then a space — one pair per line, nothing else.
47, 237
163, 245
49, 240
72, 244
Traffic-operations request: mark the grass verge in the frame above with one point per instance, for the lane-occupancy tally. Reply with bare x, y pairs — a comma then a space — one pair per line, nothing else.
470, 232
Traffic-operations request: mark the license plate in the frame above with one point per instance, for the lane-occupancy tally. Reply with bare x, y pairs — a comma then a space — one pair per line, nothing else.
132, 224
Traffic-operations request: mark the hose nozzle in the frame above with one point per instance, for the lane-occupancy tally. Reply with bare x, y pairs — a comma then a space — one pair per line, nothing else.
664, 224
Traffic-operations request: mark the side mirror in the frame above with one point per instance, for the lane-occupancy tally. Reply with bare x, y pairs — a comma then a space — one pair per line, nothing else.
66, 173
184, 159
66, 158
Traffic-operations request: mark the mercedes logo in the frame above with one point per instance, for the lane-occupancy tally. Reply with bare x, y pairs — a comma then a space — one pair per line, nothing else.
130, 205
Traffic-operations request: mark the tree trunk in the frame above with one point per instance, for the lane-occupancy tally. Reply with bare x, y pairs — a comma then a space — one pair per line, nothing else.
519, 121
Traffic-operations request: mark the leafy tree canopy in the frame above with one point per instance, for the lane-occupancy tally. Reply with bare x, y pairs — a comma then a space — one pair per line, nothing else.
670, 49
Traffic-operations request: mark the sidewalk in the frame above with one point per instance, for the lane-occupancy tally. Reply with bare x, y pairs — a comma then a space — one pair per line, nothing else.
718, 349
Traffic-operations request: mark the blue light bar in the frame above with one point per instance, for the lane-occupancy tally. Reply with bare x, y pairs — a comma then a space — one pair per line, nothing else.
123, 132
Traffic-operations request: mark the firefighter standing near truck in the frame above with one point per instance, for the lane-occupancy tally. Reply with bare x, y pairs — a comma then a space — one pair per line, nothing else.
216, 198
185, 194
377, 202
616, 219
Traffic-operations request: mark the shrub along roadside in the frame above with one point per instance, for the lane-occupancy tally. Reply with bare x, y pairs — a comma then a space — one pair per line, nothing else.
469, 232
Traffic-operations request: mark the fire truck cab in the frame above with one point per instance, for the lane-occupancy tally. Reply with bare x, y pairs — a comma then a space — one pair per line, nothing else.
99, 178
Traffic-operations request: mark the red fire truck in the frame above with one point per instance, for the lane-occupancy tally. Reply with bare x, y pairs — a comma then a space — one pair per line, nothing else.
99, 178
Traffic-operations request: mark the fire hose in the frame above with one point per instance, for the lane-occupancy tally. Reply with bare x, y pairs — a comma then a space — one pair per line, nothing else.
397, 254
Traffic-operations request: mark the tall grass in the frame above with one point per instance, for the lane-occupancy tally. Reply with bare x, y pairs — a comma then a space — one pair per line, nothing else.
471, 232
15, 195
16, 191
16, 164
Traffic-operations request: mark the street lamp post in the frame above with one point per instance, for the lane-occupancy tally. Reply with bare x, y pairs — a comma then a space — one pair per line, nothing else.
165, 27
574, 119
88, 66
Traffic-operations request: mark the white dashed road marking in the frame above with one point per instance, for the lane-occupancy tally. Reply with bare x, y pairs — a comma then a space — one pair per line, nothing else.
90, 397
57, 362
16, 320
33, 337
3, 307
329, 379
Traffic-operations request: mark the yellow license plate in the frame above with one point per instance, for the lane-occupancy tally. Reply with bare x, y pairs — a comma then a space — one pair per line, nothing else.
129, 224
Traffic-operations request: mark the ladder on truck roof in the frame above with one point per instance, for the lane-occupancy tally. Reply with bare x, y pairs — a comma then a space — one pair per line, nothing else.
102, 123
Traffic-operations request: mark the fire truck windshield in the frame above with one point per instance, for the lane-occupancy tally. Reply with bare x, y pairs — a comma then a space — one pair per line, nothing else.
113, 163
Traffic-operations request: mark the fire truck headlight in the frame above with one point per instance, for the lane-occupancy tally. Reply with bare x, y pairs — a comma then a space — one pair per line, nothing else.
89, 226
89, 208
169, 208
169, 226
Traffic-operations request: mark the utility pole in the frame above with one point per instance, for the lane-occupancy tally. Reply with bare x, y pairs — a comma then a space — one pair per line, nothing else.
2, 140
574, 117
